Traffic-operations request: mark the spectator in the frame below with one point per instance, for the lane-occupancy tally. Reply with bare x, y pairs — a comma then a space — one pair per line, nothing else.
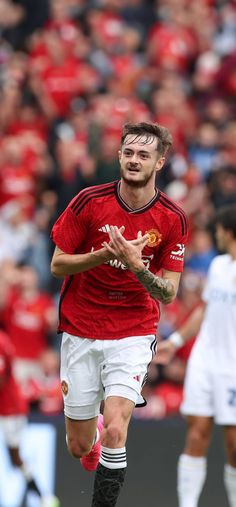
29, 317
13, 412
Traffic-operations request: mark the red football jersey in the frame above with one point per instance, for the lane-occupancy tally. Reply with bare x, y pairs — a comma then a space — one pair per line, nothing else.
108, 302
26, 324
12, 401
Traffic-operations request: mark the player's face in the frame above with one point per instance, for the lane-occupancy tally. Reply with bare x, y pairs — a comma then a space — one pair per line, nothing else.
139, 160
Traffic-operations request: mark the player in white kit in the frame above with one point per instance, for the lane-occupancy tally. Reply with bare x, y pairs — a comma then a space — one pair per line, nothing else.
210, 383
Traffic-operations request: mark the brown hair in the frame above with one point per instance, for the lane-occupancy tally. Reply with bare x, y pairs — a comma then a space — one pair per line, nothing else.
149, 130
226, 217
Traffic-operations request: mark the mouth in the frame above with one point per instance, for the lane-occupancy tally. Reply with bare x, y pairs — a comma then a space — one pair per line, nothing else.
133, 169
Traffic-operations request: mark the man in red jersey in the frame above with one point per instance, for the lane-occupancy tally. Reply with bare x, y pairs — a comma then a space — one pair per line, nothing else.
13, 411
29, 317
110, 242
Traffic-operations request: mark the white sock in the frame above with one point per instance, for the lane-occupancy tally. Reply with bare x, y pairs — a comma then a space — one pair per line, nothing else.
191, 475
113, 458
230, 484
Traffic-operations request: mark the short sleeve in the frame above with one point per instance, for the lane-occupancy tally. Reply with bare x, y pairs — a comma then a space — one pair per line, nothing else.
69, 231
172, 256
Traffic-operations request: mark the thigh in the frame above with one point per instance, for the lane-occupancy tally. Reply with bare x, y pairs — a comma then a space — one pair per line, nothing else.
225, 398
81, 377
82, 431
198, 388
125, 365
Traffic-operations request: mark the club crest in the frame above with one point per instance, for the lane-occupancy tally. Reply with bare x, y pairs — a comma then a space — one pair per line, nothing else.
64, 387
154, 237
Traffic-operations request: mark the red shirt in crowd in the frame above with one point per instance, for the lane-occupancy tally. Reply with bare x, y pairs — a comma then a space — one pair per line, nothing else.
16, 182
26, 324
12, 401
172, 46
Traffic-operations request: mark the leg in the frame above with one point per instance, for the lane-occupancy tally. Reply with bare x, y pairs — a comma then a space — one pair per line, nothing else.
80, 435
82, 392
192, 463
124, 367
230, 467
15, 456
12, 427
16, 461
111, 470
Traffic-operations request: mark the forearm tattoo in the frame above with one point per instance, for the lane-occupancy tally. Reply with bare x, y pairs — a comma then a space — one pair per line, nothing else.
158, 288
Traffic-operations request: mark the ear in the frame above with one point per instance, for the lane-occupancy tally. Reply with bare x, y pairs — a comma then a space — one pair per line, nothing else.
119, 155
160, 163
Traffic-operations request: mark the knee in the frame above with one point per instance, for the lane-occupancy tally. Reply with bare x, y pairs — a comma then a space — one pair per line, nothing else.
113, 436
78, 448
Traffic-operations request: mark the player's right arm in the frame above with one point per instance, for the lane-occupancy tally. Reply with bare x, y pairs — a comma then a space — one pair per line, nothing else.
190, 328
68, 233
63, 264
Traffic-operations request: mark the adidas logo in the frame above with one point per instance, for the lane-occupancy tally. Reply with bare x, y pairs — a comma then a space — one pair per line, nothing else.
105, 228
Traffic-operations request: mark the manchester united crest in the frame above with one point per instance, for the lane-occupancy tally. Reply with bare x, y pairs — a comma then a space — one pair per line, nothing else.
155, 237
64, 387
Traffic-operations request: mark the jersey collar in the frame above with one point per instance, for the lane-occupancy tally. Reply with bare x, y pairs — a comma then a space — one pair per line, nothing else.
135, 211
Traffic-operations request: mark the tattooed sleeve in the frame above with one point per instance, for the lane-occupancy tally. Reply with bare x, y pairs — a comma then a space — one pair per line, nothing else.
158, 288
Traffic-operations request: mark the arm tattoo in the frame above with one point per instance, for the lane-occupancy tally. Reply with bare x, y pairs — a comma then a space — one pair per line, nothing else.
158, 288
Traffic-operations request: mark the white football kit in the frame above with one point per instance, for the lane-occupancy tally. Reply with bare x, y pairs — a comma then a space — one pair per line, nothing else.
210, 382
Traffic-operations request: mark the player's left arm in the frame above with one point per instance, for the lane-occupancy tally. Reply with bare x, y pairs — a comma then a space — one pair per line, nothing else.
164, 288
130, 253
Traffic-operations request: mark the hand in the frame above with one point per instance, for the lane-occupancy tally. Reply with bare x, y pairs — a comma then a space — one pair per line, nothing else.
165, 352
108, 254
128, 252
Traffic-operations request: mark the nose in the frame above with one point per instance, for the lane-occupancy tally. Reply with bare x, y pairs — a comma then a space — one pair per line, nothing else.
134, 158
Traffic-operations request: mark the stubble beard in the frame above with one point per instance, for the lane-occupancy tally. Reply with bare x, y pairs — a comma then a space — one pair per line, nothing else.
136, 184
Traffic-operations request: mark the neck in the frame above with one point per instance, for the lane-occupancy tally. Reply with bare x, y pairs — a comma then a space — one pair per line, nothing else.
136, 197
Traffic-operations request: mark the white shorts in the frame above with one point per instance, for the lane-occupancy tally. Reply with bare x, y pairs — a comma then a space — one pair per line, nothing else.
26, 369
93, 370
207, 391
12, 427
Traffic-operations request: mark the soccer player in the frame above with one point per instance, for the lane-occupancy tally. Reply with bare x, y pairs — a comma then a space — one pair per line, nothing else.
111, 241
13, 411
210, 383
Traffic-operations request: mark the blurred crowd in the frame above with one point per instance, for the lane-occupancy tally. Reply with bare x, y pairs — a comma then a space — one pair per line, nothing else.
72, 72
